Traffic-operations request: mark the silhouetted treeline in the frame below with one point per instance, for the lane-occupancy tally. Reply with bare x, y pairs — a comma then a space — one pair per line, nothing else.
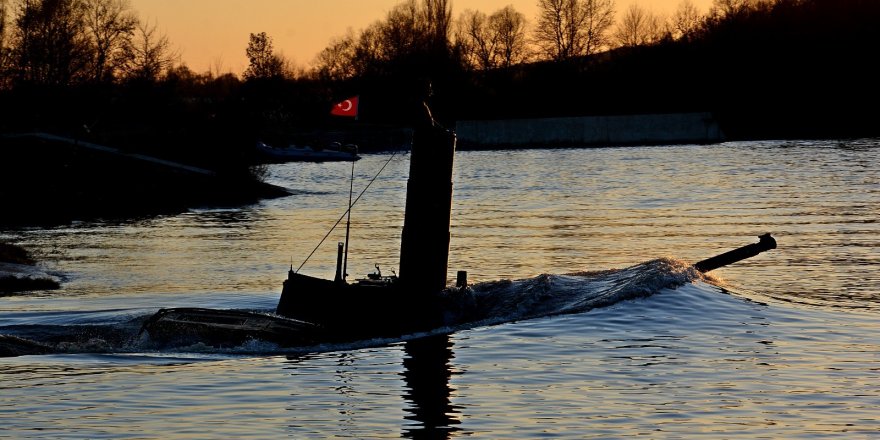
795, 68
781, 68
786, 68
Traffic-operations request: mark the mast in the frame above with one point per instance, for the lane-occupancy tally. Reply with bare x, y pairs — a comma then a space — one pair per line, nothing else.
424, 247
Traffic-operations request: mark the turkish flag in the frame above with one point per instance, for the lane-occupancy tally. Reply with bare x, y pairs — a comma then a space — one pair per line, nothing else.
349, 107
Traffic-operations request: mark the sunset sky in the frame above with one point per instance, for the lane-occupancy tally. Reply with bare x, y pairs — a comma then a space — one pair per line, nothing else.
214, 33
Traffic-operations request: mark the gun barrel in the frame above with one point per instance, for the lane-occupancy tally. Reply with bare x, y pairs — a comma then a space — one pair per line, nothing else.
765, 244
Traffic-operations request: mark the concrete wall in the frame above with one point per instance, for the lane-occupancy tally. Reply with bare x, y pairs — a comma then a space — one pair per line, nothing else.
590, 130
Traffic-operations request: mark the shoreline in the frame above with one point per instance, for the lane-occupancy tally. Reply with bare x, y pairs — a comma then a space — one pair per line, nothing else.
50, 180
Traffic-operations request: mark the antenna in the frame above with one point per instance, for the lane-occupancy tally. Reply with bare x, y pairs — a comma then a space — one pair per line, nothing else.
347, 211
348, 224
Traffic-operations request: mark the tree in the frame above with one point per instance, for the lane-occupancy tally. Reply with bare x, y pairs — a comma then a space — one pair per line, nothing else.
369, 53
290, 69
498, 40
60, 42
149, 55
510, 26
406, 31
686, 20
4, 75
418, 27
414, 36
264, 63
110, 26
336, 61
573, 28
437, 20
472, 33
730, 8
412, 40
639, 27
49, 43
3, 9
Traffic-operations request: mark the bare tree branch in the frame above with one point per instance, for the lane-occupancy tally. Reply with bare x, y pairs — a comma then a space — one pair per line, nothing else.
686, 20
110, 25
510, 27
639, 27
573, 28
149, 55
498, 40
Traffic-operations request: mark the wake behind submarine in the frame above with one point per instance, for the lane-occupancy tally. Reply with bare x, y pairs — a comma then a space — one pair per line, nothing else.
313, 311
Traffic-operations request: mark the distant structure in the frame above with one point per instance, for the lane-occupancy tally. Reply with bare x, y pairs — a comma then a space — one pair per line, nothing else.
652, 129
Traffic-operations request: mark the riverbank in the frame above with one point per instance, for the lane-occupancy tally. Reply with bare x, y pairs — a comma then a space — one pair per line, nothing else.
47, 179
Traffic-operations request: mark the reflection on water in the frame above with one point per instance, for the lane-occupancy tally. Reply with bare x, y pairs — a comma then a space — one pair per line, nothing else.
518, 214
420, 373
427, 371
787, 351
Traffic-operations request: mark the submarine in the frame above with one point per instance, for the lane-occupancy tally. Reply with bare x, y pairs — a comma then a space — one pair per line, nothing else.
416, 299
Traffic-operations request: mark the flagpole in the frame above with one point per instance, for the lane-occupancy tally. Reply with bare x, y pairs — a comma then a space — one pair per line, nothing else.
348, 225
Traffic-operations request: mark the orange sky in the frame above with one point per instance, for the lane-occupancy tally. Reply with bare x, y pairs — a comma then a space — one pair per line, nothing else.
212, 33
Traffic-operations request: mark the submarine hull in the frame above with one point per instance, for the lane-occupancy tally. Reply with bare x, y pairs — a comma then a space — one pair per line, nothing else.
362, 309
183, 326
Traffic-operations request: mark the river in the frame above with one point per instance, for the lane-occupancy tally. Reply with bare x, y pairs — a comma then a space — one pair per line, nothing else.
782, 345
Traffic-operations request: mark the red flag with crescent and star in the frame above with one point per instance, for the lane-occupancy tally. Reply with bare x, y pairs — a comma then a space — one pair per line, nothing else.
349, 107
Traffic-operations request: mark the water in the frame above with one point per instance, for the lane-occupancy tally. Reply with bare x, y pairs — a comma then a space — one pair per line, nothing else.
779, 346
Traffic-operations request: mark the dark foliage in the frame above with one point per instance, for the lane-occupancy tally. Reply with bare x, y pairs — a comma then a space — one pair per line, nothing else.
788, 68
48, 183
785, 69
